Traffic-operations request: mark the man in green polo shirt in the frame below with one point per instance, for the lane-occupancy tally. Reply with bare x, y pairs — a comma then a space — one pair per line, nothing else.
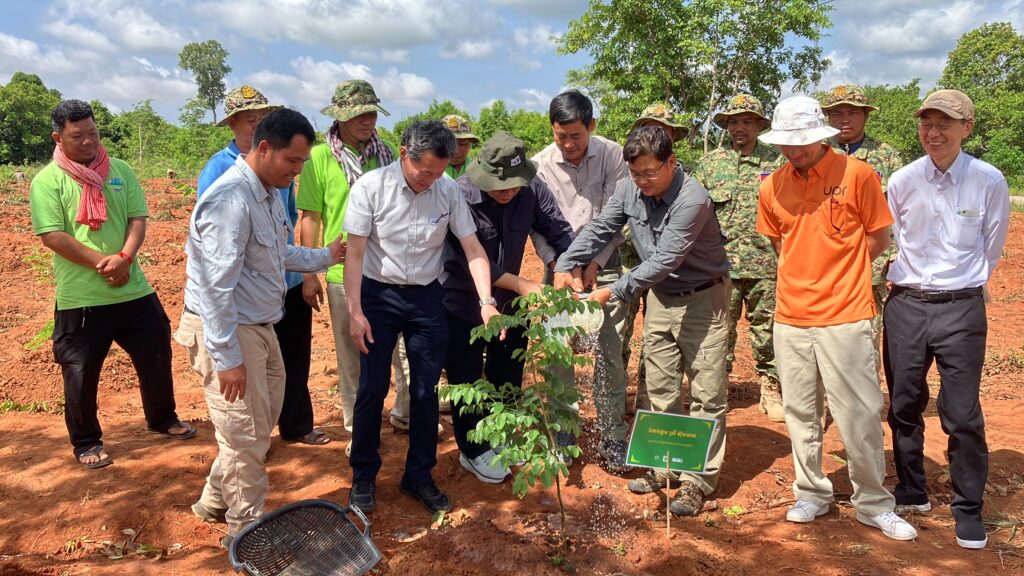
464, 140
89, 210
353, 148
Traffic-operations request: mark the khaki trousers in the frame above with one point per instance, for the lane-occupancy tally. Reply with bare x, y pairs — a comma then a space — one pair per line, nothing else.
238, 477
839, 358
347, 356
689, 335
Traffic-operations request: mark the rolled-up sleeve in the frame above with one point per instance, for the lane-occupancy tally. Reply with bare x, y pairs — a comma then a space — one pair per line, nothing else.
219, 234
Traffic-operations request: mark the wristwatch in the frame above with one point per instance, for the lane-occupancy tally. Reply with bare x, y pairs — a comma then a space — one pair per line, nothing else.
488, 301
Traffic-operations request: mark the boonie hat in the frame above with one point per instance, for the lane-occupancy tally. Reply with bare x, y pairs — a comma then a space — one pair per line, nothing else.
661, 113
352, 98
798, 121
244, 98
953, 103
851, 94
501, 164
739, 104
460, 127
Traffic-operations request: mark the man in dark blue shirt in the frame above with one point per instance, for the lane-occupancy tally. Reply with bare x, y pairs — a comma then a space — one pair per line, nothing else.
507, 201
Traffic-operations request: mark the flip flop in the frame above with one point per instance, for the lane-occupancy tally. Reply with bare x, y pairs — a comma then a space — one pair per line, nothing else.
315, 438
96, 451
190, 432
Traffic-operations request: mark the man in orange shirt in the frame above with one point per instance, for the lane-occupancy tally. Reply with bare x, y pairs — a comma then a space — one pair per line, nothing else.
827, 219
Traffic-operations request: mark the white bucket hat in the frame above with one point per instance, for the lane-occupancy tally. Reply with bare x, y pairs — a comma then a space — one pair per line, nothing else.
798, 121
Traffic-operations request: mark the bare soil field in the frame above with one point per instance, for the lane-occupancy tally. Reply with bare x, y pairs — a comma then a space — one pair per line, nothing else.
57, 518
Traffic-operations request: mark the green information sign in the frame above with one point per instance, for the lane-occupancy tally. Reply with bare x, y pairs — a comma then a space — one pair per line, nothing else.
686, 439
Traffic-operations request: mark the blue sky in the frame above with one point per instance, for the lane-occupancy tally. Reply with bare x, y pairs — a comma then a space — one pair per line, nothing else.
413, 51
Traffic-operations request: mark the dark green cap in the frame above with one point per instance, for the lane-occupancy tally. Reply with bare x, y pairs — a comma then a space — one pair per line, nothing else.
501, 164
352, 98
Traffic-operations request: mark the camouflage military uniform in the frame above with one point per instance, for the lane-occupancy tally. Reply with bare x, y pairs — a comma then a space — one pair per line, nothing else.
657, 113
885, 160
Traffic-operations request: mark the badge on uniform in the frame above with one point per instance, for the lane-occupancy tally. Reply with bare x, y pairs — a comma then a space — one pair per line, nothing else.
764, 176
117, 184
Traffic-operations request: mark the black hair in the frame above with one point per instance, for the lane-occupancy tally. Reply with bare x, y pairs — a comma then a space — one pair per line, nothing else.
646, 140
69, 111
570, 106
428, 136
280, 126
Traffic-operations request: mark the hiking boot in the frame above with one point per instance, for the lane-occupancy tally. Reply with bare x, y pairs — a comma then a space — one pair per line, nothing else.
890, 524
688, 501
803, 512
564, 440
429, 495
771, 399
646, 484
483, 469
970, 533
904, 509
363, 495
613, 452
210, 515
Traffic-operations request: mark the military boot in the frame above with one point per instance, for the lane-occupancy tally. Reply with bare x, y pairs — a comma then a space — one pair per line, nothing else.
771, 399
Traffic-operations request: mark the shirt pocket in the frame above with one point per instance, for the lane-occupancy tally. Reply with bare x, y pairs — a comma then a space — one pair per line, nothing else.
437, 227
264, 256
967, 227
835, 218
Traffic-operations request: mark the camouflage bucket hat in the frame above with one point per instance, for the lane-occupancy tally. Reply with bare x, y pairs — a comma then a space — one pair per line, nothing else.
244, 98
352, 98
460, 127
502, 163
661, 113
846, 94
739, 104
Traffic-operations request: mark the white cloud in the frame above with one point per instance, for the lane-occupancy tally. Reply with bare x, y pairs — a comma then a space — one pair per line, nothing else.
25, 55
80, 35
130, 89
468, 49
398, 56
533, 99
127, 23
560, 9
311, 84
536, 39
524, 62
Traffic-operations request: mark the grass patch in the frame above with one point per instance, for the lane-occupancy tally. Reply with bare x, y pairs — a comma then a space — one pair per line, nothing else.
32, 407
1009, 362
41, 264
44, 334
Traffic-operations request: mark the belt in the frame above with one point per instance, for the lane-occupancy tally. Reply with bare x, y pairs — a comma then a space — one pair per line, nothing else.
262, 324
189, 310
701, 288
939, 295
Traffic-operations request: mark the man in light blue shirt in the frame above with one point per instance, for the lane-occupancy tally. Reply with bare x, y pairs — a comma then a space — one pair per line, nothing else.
237, 255
951, 213
244, 107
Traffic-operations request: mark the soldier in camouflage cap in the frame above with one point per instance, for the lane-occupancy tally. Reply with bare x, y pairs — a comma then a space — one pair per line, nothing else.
353, 98
244, 98
847, 108
464, 140
659, 114
732, 176
741, 104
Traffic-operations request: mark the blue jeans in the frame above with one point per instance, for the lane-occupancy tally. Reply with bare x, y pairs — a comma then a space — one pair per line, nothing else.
415, 312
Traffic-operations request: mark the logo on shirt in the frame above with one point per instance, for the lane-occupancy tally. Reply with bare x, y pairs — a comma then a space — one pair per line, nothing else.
834, 190
117, 184
764, 176
516, 161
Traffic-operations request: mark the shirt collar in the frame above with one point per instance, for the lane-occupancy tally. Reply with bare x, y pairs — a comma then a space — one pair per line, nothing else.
259, 191
233, 149
821, 168
955, 172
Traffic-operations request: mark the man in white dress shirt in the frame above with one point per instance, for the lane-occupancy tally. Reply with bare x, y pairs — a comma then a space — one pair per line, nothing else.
951, 214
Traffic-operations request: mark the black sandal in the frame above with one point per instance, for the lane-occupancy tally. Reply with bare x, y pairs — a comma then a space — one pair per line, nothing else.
96, 451
189, 432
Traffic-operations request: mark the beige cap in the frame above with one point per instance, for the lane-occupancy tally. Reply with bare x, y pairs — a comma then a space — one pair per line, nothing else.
952, 103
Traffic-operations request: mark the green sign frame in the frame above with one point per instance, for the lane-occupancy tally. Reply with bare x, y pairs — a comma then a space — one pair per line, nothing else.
686, 439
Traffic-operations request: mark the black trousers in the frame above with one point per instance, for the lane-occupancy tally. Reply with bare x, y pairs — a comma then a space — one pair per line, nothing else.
417, 314
951, 334
465, 364
81, 341
294, 335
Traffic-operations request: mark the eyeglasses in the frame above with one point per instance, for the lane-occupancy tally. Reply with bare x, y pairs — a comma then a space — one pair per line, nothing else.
646, 176
942, 126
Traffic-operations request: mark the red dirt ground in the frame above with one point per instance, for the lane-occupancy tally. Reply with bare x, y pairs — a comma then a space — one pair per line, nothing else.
55, 515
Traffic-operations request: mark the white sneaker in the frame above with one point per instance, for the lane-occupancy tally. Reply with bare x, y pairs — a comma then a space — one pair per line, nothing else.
804, 511
904, 509
482, 468
890, 524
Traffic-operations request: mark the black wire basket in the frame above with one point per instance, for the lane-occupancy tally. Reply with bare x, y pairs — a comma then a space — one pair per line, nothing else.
306, 538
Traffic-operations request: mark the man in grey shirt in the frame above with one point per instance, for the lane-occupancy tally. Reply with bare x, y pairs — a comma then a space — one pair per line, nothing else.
238, 252
397, 219
683, 263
